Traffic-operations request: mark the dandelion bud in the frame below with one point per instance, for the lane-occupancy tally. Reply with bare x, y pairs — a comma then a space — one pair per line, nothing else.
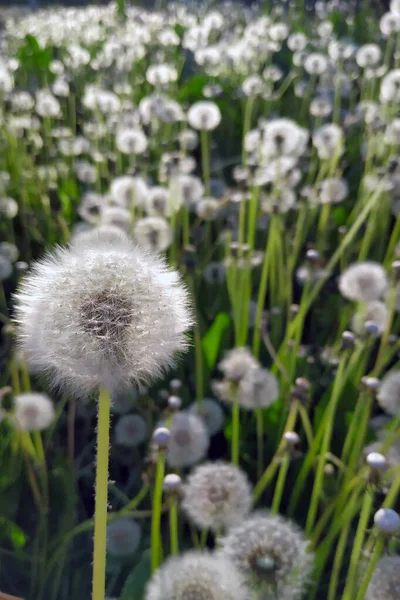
372, 328
329, 470
348, 340
161, 437
313, 256
396, 268
175, 385
387, 521
172, 483
377, 461
371, 383
174, 402
292, 439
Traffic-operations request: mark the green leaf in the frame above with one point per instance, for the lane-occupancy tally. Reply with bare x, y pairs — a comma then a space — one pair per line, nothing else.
13, 533
193, 89
136, 581
212, 339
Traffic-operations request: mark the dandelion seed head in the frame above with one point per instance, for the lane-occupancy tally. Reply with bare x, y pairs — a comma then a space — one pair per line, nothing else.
236, 364
272, 554
216, 496
153, 232
123, 537
102, 312
210, 412
385, 581
33, 411
365, 282
188, 442
196, 576
130, 431
204, 115
373, 312
389, 393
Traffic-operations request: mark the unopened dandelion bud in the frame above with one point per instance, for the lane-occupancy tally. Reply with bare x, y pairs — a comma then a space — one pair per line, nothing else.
172, 483
372, 328
348, 340
174, 402
175, 385
371, 383
21, 266
387, 521
329, 470
377, 461
313, 256
396, 268
291, 439
161, 437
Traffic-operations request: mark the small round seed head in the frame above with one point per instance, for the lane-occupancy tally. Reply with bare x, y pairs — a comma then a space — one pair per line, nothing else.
217, 496
161, 437
385, 581
123, 537
292, 439
33, 411
188, 441
210, 412
371, 383
196, 576
377, 461
366, 281
272, 554
389, 393
372, 328
174, 402
172, 483
387, 521
101, 313
348, 340
237, 363
258, 389
131, 431
313, 255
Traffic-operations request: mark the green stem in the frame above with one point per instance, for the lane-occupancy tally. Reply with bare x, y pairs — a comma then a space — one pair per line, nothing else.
101, 499
371, 568
328, 428
205, 161
156, 516
337, 561
173, 526
280, 484
366, 510
235, 432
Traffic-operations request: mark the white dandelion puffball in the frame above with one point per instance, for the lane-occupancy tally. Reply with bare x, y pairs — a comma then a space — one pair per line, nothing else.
131, 141
101, 313
130, 431
333, 190
390, 87
385, 581
210, 411
258, 389
272, 554
33, 411
217, 496
188, 441
116, 216
366, 281
196, 576
328, 140
123, 537
389, 393
204, 115
237, 363
375, 312
153, 232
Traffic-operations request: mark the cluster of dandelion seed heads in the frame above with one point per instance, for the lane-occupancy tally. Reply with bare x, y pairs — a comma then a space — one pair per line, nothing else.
196, 576
216, 496
101, 312
272, 553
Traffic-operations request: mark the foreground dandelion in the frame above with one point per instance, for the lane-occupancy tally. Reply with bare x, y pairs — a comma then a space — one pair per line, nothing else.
385, 582
272, 554
217, 496
197, 576
98, 315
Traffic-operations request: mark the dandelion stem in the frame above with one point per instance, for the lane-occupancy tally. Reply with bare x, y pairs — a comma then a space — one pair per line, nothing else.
100, 515
156, 516
205, 161
235, 431
280, 484
371, 568
173, 525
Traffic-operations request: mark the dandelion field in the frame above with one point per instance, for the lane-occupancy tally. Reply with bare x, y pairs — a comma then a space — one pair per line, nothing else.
200, 302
